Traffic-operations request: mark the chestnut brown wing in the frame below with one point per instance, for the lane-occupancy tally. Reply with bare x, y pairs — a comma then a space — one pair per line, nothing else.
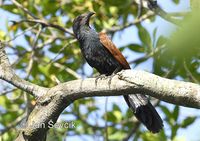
107, 43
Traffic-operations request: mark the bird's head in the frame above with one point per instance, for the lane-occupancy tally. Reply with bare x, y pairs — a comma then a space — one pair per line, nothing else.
81, 21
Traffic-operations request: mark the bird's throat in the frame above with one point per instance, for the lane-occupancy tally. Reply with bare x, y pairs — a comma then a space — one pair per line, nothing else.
83, 32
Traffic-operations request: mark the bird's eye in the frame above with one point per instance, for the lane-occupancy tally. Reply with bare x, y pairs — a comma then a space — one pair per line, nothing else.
80, 18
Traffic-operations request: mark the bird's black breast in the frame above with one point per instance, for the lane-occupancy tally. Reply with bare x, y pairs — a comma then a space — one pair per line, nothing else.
97, 55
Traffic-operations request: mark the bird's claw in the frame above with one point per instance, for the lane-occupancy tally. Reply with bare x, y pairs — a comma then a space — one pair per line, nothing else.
110, 78
102, 76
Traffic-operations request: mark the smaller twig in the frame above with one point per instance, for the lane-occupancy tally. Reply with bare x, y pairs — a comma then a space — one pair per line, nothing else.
133, 130
70, 71
47, 42
170, 73
29, 69
13, 65
37, 37
13, 99
21, 33
30, 64
56, 79
136, 21
140, 58
8, 74
106, 119
147, 56
7, 91
24, 9
46, 24
67, 44
97, 127
155, 8
178, 14
189, 73
166, 16
13, 124
94, 127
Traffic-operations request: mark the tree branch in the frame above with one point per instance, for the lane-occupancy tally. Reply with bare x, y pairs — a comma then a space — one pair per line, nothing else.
52, 101
12, 124
50, 105
136, 21
157, 10
46, 24
24, 9
131, 82
7, 74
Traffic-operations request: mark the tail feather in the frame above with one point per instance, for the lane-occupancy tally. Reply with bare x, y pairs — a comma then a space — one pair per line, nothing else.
145, 112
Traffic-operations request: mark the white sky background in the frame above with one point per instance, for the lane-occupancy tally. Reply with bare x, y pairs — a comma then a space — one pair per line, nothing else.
123, 38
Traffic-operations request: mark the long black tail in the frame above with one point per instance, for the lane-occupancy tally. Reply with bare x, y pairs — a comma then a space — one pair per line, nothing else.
145, 112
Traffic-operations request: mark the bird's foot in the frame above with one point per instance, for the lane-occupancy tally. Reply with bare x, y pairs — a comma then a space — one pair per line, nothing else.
101, 76
110, 78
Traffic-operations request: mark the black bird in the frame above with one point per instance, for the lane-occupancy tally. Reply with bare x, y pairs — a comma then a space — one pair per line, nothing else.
102, 54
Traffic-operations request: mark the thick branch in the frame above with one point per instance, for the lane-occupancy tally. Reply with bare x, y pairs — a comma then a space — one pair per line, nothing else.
132, 82
7, 74
50, 105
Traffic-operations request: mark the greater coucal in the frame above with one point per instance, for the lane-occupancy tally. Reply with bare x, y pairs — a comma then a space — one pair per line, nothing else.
102, 54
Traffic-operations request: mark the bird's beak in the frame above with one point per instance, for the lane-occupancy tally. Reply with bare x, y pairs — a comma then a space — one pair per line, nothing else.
86, 18
90, 14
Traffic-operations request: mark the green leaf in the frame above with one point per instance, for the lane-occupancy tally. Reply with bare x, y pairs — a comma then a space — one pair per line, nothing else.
118, 115
174, 131
136, 48
129, 113
140, 60
176, 112
155, 32
147, 136
154, 35
166, 111
5, 102
117, 136
187, 121
116, 108
161, 41
92, 108
111, 116
176, 1
145, 37
177, 138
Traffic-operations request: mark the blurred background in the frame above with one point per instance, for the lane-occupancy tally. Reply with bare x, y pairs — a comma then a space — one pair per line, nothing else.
166, 44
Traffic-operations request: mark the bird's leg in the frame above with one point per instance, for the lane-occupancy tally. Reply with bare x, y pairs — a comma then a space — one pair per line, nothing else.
101, 76
118, 69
